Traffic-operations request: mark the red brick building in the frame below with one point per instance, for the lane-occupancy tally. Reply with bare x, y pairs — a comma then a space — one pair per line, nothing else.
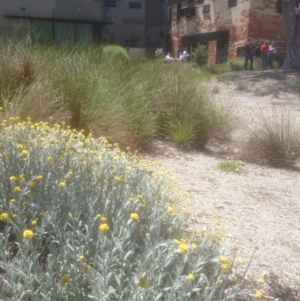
223, 26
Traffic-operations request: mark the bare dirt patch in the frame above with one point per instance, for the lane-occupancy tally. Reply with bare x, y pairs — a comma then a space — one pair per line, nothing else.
264, 201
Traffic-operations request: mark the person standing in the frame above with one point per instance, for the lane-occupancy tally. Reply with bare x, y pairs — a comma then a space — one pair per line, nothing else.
248, 54
272, 54
257, 56
264, 55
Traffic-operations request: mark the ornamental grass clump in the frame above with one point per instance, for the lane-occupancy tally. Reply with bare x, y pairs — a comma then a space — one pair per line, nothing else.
82, 220
276, 139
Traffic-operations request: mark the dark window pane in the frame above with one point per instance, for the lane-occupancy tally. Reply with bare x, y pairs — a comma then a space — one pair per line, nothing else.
232, 3
135, 5
206, 8
110, 3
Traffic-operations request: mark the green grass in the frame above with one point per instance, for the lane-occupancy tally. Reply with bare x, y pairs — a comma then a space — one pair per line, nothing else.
103, 92
229, 166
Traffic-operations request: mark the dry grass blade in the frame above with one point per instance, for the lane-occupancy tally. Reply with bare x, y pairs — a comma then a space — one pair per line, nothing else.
277, 138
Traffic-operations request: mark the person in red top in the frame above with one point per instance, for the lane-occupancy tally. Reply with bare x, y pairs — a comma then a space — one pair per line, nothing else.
264, 55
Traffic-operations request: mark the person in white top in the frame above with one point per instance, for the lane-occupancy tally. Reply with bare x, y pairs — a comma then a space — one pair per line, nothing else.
272, 54
185, 55
168, 57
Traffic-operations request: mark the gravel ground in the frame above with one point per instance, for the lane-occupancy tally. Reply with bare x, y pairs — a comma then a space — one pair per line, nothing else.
263, 201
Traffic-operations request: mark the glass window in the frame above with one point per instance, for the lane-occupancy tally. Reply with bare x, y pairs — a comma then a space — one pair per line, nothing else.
200, 1
84, 34
42, 30
64, 32
206, 8
232, 3
110, 3
135, 5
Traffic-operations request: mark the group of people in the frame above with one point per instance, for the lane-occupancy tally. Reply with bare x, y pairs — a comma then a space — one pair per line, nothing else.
183, 57
263, 55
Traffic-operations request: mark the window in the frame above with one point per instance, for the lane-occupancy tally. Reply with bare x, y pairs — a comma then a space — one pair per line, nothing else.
190, 11
191, 1
110, 3
200, 1
232, 3
206, 8
240, 51
135, 5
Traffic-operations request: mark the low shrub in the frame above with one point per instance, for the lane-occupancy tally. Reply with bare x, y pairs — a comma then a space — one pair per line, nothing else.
116, 55
81, 220
200, 55
292, 84
229, 167
236, 65
276, 140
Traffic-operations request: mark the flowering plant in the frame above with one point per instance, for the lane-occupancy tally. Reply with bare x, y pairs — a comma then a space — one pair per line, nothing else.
82, 220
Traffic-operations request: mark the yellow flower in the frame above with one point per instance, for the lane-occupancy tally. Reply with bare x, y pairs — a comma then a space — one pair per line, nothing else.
104, 228
24, 153
86, 267
134, 216
32, 184
259, 294
142, 282
103, 219
183, 248
49, 159
190, 277
17, 189
19, 147
12, 200
226, 266
4, 217
28, 234
12, 178
80, 257
220, 281
61, 184
170, 209
239, 260
194, 246
39, 177
33, 223
261, 280
65, 279
14, 215
177, 242
223, 259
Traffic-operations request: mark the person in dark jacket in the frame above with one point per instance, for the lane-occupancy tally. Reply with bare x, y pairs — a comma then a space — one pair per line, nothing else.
257, 57
248, 54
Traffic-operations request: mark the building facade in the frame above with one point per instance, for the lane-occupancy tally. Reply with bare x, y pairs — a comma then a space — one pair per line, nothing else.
130, 23
223, 26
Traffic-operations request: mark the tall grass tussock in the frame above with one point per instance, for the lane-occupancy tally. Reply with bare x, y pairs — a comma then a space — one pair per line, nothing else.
82, 220
276, 140
101, 91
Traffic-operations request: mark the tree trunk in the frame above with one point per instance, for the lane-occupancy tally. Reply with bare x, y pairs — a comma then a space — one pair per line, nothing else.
291, 23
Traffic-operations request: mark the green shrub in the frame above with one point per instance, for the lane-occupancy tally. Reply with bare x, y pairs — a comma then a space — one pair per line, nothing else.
236, 65
159, 53
200, 55
276, 140
81, 220
292, 84
116, 55
229, 167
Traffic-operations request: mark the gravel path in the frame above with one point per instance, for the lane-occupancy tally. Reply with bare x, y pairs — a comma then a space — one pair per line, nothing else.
263, 201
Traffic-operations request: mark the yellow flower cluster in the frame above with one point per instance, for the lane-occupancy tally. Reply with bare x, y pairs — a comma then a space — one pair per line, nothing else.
134, 216
224, 263
4, 217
